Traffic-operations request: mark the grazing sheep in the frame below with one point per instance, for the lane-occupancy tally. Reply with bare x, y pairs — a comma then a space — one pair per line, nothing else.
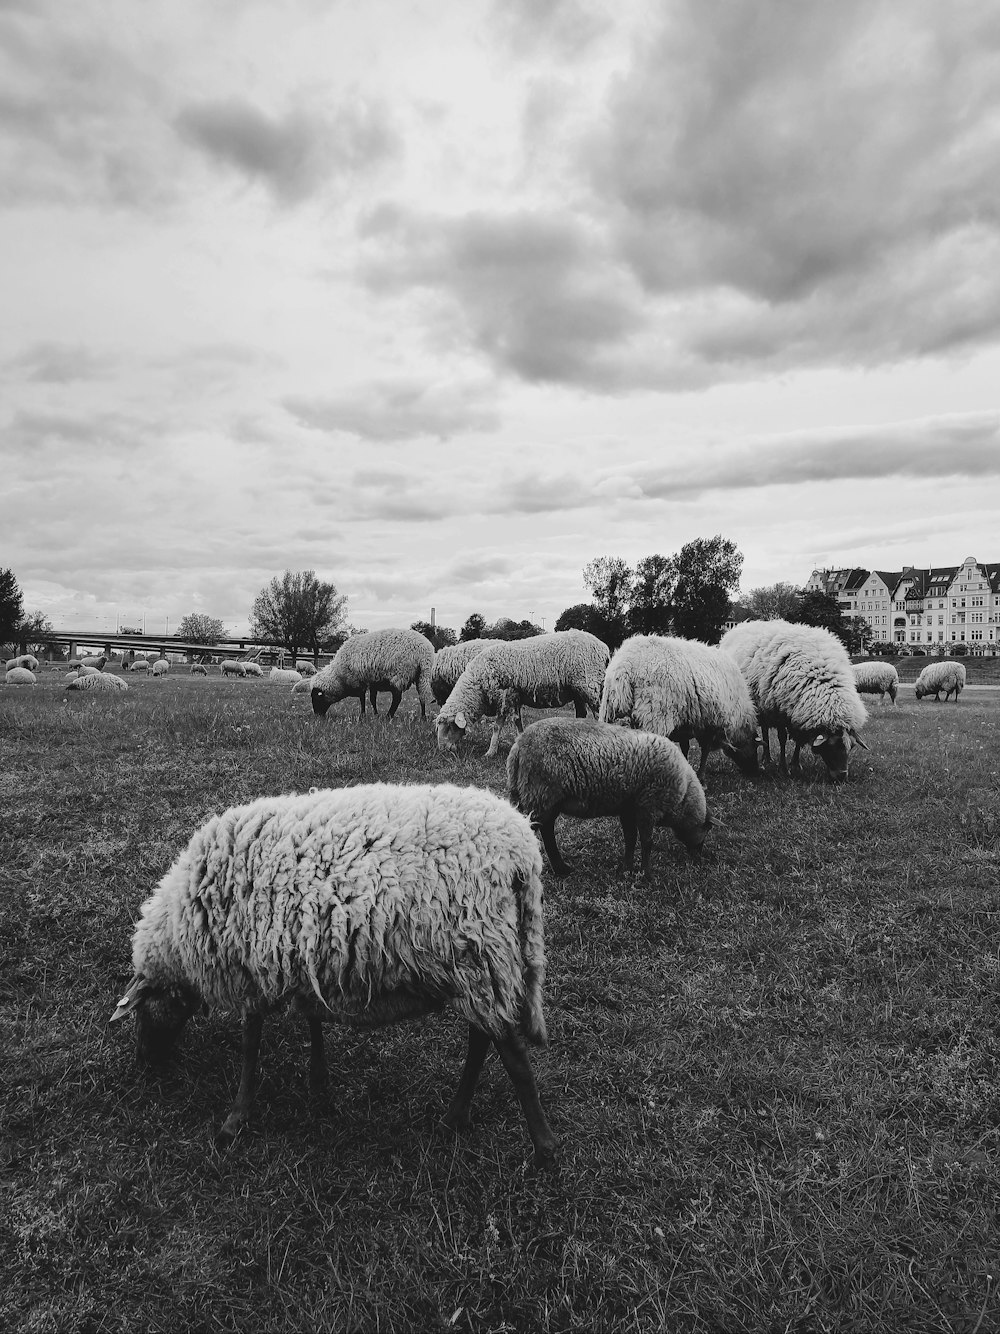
684, 690
302, 687
450, 662
97, 661
139, 665
366, 905
545, 672
390, 660
253, 669
26, 660
98, 681
160, 667
876, 678
78, 670
284, 676
199, 669
230, 667
19, 676
938, 676
802, 685
585, 768
306, 667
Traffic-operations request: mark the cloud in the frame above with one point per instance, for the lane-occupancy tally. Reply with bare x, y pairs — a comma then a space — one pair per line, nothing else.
565, 26
400, 409
295, 155
58, 363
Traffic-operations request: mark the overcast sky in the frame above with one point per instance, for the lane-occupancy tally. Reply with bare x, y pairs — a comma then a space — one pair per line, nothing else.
443, 298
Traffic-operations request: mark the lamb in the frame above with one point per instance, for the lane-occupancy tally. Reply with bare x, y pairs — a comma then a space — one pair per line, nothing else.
586, 768
451, 662
390, 660
230, 667
367, 905
876, 678
19, 676
284, 676
26, 660
938, 676
99, 681
802, 685
199, 669
684, 690
160, 667
545, 672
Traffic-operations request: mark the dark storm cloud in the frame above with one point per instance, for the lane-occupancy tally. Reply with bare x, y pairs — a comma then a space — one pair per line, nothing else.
400, 409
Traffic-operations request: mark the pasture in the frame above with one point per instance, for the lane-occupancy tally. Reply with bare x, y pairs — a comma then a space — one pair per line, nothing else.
774, 1074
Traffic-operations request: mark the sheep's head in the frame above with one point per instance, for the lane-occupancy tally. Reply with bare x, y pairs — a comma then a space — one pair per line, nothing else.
161, 1012
834, 749
743, 753
450, 731
321, 701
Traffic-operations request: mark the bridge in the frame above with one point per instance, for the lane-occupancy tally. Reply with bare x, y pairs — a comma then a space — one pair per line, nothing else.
100, 641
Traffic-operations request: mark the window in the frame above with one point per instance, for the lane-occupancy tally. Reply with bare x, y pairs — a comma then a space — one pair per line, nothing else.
976, 634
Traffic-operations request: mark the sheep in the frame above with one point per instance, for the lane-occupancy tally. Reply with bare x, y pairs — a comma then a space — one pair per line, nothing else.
230, 667
139, 665
802, 685
98, 681
303, 687
938, 676
79, 669
284, 676
367, 905
253, 669
546, 672
876, 678
683, 689
390, 660
586, 768
306, 667
26, 660
19, 676
160, 667
199, 669
450, 662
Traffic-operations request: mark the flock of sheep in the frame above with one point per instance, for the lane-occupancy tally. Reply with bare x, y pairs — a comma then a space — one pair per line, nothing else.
378, 903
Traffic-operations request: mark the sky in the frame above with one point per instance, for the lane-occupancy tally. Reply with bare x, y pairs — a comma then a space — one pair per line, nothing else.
444, 298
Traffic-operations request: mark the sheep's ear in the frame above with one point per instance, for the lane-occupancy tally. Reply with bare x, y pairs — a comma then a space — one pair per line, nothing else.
137, 989
854, 737
461, 721
819, 740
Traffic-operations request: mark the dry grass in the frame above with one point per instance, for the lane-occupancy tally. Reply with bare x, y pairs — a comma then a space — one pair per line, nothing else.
774, 1074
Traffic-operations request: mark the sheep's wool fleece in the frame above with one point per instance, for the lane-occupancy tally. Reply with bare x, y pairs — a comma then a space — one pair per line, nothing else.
450, 662
798, 673
365, 897
875, 677
284, 676
661, 683
398, 657
100, 681
27, 660
941, 676
542, 668
19, 676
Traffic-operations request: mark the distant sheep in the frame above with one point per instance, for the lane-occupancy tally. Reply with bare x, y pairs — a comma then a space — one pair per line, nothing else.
78, 669
253, 669
544, 672
26, 660
683, 689
19, 676
391, 660
96, 660
100, 681
802, 685
302, 687
199, 669
160, 667
230, 667
451, 662
937, 676
284, 676
367, 905
140, 665
306, 667
588, 769
876, 678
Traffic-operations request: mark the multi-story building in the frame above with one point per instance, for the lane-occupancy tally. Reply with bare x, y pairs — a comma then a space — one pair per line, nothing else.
931, 609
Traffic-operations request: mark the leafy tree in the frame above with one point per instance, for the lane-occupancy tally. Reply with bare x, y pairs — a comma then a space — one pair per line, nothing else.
822, 609
441, 636
197, 628
706, 571
584, 616
34, 631
505, 628
651, 596
773, 602
11, 607
298, 610
474, 627
610, 581
856, 634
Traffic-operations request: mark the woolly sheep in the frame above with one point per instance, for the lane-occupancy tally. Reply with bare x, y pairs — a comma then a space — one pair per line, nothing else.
450, 662
230, 667
199, 669
26, 660
938, 676
98, 681
19, 676
366, 905
585, 768
302, 687
545, 672
391, 660
140, 665
283, 676
684, 690
253, 669
802, 685
876, 678
306, 667
160, 667
79, 669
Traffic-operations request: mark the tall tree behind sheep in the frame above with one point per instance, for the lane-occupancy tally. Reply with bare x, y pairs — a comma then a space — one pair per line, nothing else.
298, 610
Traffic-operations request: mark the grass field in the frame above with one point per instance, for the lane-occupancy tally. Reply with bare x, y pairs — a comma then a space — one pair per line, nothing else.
773, 1074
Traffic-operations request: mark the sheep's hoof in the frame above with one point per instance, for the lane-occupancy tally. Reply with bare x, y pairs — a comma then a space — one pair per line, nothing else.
225, 1137
561, 869
546, 1157
457, 1118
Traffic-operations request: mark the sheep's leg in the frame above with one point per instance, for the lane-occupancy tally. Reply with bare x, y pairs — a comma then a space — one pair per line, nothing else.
361, 697
547, 828
373, 697
458, 1115
515, 1059
645, 822
796, 761
580, 704
782, 742
630, 829
704, 752
253, 1026
318, 1078
494, 740
518, 720
397, 695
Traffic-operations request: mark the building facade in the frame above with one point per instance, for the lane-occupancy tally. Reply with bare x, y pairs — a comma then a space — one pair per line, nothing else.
930, 609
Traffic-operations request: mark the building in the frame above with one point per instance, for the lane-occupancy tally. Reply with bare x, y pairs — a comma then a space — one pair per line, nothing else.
931, 609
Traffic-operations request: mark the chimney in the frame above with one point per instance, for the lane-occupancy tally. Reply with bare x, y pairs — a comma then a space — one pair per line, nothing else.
432, 616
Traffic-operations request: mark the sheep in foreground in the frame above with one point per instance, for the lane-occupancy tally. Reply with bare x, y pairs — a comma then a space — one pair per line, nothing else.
938, 676
160, 667
684, 690
876, 678
802, 685
26, 660
19, 676
199, 669
284, 676
588, 769
100, 681
366, 905
450, 662
230, 667
390, 660
544, 672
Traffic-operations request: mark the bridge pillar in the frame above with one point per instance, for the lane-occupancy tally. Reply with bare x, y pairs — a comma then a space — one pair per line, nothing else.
72, 649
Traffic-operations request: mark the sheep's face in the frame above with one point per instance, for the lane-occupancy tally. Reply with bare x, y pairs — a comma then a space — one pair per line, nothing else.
744, 756
321, 701
834, 749
450, 731
920, 690
160, 1016
693, 834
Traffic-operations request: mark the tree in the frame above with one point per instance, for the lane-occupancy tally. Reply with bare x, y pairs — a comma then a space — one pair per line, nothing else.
857, 634
197, 628
11, 607
34, 632
505, 628
610, 581
584, 616
441, 636
473, 627
773, 602
298, 610
706, 571
651, 596
822, 609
